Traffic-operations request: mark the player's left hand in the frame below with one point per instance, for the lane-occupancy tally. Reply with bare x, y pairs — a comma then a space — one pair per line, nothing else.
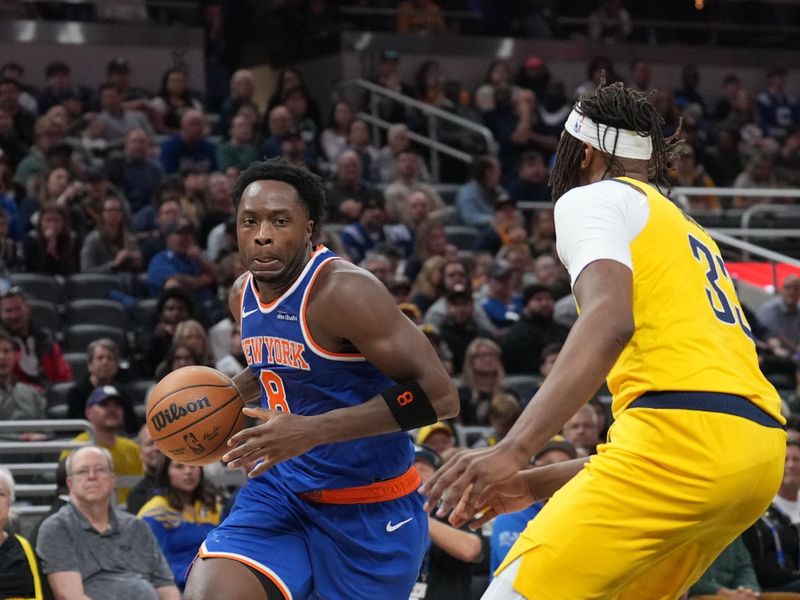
282, 436
478, 469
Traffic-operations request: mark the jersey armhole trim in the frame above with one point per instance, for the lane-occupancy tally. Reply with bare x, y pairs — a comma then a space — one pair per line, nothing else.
312, 343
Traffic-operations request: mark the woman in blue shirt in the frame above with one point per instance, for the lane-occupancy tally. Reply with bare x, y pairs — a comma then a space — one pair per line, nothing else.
181, 515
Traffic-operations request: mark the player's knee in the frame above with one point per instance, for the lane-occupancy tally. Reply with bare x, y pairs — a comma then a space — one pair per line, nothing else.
222, 579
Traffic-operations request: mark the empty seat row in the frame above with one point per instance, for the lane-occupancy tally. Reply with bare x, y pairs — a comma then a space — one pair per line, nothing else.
80, 286
79, 312
58, 394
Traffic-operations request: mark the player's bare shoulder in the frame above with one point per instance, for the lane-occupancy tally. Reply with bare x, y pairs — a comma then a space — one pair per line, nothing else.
345, 297
340, 281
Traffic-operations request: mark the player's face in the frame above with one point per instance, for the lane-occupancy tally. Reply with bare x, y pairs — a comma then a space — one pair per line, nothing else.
183, 477
274, 232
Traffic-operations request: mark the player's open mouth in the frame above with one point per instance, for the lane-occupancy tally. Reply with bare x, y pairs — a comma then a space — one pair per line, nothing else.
265, 261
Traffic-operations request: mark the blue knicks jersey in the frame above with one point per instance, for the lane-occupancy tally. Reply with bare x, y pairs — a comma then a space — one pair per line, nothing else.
299, 376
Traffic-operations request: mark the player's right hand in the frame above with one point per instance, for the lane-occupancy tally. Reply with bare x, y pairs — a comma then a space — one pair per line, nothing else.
507, 496
469, 478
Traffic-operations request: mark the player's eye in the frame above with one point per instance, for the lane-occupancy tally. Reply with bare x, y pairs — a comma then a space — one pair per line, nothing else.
281, 222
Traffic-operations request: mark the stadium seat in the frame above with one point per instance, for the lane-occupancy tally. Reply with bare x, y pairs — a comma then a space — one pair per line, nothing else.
461, 236
57, 399
97, 312
78, 337
144, 315
78, 362
138, 390
84, 286
524, 386
38, 286
45, 314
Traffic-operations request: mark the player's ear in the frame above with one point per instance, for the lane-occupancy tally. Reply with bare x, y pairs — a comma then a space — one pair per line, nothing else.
309, 229
588, 154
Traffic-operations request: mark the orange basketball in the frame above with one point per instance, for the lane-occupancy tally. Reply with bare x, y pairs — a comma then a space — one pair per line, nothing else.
192, 413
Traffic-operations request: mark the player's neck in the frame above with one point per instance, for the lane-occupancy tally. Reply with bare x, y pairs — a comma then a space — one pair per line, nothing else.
270, 291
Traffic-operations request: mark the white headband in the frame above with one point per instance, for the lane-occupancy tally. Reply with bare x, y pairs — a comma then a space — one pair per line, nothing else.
628, 144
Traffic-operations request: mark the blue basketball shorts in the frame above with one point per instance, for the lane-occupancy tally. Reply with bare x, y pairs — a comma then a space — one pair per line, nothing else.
314, 551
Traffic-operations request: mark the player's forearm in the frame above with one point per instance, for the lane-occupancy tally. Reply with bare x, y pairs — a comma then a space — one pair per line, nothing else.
591, 349
248, 386
374, 417
545, 481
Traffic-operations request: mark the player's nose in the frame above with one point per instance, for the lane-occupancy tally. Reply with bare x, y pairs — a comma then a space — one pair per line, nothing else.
264, 234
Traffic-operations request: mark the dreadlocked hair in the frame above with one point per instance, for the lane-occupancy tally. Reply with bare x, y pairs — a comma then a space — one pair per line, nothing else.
616, 106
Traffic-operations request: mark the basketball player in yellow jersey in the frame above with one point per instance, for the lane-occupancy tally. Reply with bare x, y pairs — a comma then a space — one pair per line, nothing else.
696, 452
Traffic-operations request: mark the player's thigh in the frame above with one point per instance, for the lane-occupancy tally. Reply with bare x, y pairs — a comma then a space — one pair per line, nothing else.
367, 550
224, 579
648, 495
265, 533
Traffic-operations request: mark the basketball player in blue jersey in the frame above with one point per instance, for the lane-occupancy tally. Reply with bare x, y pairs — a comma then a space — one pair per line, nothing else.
331, 509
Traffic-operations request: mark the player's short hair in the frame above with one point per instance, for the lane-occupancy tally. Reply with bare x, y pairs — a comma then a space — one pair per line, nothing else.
309, 187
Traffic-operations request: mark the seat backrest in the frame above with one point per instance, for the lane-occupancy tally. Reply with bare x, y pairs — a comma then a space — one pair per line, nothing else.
78, 337
92, 285
78, 362
58, 393
45, 314
461, 236
98, 312
39, 286
138, 390
144, 315
524, 386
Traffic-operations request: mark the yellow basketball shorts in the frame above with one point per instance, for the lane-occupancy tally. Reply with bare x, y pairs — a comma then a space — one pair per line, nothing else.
653, 509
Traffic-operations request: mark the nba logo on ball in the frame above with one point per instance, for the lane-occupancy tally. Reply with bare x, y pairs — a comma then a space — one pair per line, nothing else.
192, 413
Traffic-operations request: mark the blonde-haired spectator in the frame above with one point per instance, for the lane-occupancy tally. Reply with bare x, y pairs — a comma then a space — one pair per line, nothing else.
482, 378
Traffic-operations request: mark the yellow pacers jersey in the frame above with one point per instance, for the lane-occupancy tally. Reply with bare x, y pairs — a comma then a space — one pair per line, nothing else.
691, 333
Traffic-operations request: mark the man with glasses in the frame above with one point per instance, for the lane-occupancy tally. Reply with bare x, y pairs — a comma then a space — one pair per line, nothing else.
104, 410
39, 361
89, 549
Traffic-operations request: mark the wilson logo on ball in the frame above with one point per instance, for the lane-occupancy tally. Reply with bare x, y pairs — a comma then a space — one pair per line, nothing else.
176, 413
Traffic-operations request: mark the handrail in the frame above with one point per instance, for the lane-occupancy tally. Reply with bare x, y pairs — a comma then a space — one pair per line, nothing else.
432, 113
484, 131
420, 139
746, 232
748, 248
732, 191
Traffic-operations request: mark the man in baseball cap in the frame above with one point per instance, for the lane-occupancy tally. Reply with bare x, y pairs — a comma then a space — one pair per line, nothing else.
104, 412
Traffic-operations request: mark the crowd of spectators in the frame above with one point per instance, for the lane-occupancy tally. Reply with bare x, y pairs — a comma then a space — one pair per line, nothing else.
135, 186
